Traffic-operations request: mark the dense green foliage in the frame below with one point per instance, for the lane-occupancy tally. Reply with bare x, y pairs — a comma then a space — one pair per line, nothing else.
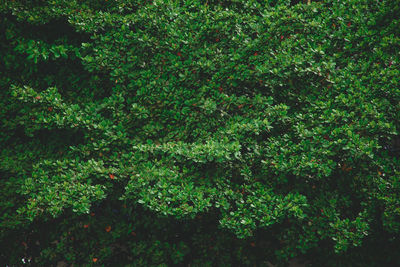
209, 133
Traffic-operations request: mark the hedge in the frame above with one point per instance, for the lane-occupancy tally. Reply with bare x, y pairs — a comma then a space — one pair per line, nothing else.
199, 133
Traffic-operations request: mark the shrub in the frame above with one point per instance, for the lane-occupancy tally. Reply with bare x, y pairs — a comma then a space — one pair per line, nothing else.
226, 133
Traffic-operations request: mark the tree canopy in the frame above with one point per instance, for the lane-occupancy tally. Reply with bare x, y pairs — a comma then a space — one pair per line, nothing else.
201, 133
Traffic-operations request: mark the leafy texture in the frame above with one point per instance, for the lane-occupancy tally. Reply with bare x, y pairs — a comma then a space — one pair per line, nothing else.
228, 133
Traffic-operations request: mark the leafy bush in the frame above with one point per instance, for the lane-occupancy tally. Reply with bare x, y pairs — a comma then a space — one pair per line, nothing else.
201, 133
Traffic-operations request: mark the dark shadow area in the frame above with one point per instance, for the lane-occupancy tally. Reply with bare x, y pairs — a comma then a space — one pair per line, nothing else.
391, 145
67, 137
57, 29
